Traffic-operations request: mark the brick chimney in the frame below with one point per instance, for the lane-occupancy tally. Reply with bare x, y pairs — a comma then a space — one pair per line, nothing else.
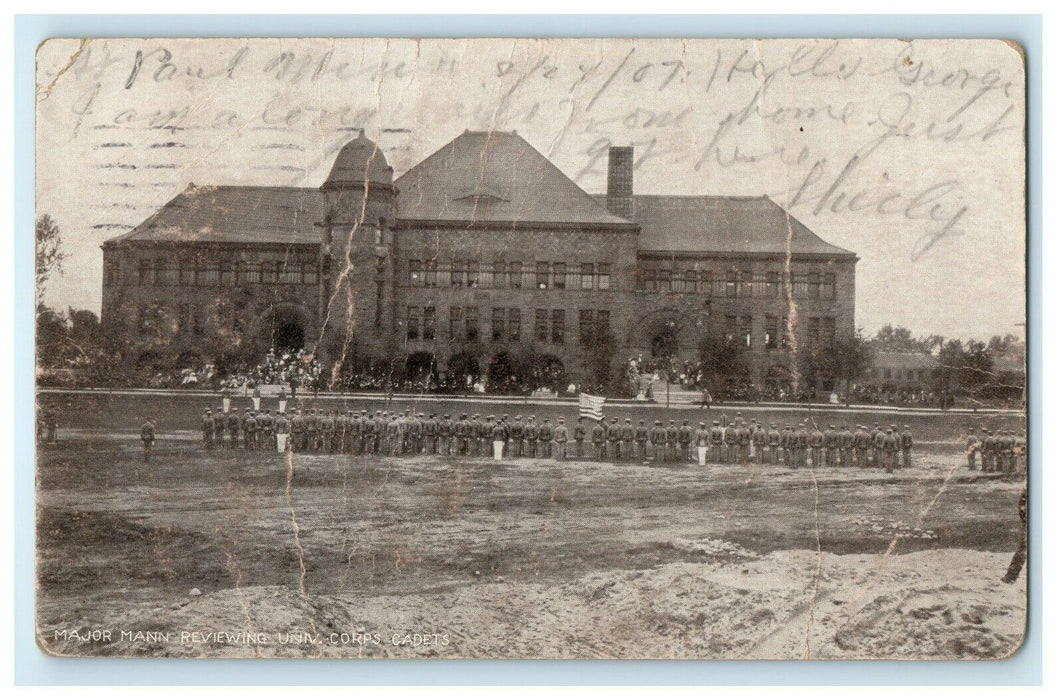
619, 181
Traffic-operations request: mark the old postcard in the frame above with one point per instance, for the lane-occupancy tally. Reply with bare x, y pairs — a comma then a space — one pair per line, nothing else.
531, 348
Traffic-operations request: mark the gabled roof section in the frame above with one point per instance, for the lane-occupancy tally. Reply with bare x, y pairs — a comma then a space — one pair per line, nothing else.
234, 214
723, 224
496, 176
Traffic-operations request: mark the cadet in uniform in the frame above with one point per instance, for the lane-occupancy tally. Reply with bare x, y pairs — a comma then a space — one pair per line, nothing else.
642, 434
701, 443
147, 437
529, 436
877, 446
803, 445
906, 438
773, 439
613, 439
862, 440
972, 446
546, 436
716, 442
598, 439
627, 438
816, 446
831, 447
657, 439
248, 424
207, 422
269, 436
683, 437
561, 438
758, 436
282, 428
731, 439
890, 446
578, 435
232, 421
671, 435
446, 432
498, 438
516, 433
846, 442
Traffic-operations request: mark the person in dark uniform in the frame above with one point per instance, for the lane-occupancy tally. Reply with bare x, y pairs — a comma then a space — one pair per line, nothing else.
498, 438
657, 441
672, 434
446, 433
207, 424
862, 440
546, 437
232, 423
613, 439
579, 432
906, 438
890, 449
282, 429
247, 425
759, 437
298, 435
267, 436
773, 439
1020, 557
561, 439
627, 439
716, 443
831, 447
642, 435
598, 439
846, 444
731, 443
701, 439
683, 439
529, 434
312, 427
147, 437
515, 436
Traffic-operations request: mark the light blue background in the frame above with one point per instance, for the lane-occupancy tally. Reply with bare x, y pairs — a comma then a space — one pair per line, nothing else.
34, 667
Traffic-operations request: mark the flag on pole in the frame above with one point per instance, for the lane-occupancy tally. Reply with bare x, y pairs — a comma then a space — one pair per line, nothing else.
591, 406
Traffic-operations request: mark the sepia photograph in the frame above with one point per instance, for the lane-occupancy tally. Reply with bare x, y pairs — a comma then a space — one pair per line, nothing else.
531, 348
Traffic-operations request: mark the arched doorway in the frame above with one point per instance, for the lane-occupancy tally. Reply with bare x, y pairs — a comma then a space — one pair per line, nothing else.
284, 328
664, 339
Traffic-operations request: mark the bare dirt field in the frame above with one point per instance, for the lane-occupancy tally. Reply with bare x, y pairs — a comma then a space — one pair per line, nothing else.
341, 556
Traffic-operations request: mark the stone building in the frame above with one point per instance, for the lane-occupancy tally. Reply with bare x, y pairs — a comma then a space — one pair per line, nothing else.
480, 256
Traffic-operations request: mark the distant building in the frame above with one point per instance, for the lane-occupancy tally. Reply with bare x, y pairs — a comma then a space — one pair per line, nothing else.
479, 255
900, 371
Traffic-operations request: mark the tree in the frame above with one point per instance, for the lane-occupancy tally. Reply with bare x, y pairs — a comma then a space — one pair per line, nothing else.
720, 362
892, 338
845, 359
600, 344
49, 254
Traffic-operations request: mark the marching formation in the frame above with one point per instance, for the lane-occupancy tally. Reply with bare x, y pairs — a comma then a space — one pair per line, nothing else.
402, 433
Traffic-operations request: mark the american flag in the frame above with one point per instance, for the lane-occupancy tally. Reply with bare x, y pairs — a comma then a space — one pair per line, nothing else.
591, 406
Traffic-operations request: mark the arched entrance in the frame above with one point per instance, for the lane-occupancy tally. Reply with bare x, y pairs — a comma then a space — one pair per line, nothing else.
284, 328
504, 374
665, 339
420, 370
463, 370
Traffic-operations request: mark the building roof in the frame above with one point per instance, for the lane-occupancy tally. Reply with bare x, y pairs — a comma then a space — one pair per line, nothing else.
234, 215
692, 224
496, 176
358, 162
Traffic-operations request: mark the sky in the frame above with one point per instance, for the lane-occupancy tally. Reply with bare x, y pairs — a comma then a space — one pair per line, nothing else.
910, 154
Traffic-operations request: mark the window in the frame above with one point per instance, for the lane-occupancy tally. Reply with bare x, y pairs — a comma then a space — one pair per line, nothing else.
542, 325
746, 330
557, 326
290, 272
828, 286
416, 273
690, 281
827, 330
664, 280
677, 284
515, 275
456, 323
457, 273
772, 284
430, 273
187, 272
707, 282
252, 273
144, 272
604, 276
428, 324
813, 333
559, 275
269, 272
604, 318
498, 324
472, 323
499, 270
208, 275
771, 333
731, 286
225, 274
310, 273
514, 324
747, 289
472, 273
731, 324
587, 319
196, 318
814, 285
587, 276
542, 275
378, 311
413, 322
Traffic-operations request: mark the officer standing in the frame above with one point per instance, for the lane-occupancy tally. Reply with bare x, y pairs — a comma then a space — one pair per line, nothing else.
498, 438
515, 433
446, 433
578, 434
219, 428
530, 435
232, 421
831, 447
627, 438
248, 424
816, 446
207, 423
890, 448
971, 447
657, 439
546, 437
731, 439
702, 443
282, 428
716, 443
846, 444
298, 434
683, 437
598, 439
613, 439
862, 440
758, 436
147, 437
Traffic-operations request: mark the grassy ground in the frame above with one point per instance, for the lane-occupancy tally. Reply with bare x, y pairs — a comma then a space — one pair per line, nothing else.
519, 558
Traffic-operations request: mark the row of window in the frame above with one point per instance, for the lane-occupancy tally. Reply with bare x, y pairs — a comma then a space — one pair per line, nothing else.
911, 375
163, 272
464, 324
737, 283
191, 318
741, 328
509, 275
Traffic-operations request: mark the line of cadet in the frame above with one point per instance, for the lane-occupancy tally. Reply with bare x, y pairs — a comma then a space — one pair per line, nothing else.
999, 450
407, 433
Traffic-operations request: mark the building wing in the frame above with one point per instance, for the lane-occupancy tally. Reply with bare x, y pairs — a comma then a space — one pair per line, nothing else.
233, 214
496, 176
